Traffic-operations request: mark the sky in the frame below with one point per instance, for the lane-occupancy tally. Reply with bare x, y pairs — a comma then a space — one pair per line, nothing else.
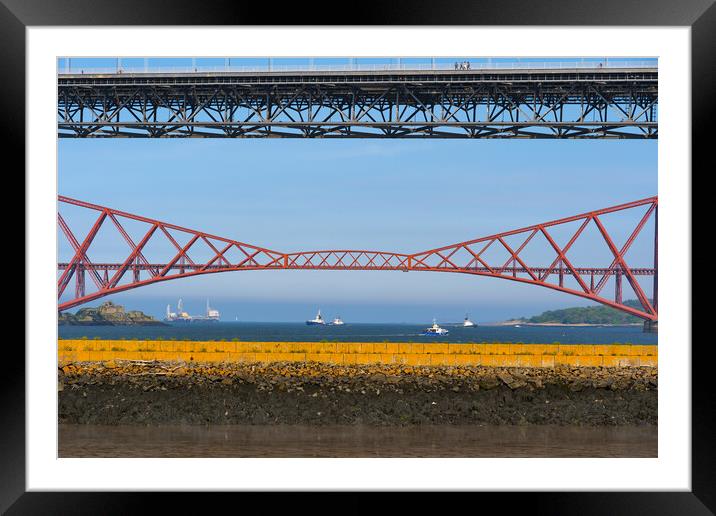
391, 195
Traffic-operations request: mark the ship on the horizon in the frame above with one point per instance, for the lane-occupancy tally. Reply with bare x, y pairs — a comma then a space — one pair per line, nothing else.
467, 323
317, 321
212, 315
337, 321
180, 316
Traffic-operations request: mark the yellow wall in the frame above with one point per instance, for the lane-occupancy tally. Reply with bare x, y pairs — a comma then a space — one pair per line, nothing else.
496, 355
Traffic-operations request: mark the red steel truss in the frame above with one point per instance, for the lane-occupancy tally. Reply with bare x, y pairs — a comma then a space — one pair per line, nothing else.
470, 257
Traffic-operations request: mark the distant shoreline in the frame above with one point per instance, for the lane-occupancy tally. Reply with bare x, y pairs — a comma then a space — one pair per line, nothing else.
523, 323
447, 324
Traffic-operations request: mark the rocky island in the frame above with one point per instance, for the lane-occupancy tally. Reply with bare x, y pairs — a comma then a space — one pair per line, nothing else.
107, 314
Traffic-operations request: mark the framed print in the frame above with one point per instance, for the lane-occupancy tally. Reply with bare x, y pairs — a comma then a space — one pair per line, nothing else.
247, 290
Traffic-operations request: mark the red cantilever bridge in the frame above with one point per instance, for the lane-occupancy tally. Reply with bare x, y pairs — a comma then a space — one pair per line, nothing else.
187, 252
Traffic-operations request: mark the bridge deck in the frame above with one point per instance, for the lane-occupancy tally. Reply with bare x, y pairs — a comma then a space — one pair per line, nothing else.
647, 76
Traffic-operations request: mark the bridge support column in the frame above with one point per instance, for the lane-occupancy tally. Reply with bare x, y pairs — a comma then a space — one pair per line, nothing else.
79, 281
651, 326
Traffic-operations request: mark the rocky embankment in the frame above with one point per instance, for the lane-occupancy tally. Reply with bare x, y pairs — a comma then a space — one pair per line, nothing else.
311, 393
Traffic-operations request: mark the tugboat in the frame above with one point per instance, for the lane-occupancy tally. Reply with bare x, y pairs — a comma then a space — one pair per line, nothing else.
318, 321
467, 323
337, 321
434, 330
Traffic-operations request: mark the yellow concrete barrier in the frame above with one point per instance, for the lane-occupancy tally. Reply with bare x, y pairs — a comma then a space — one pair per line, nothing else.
433, 353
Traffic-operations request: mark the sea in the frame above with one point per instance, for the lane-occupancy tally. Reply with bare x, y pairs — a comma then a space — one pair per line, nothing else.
365, 332
357, 441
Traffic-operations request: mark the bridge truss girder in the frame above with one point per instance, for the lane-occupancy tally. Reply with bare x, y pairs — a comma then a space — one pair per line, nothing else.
490, 109
513, 262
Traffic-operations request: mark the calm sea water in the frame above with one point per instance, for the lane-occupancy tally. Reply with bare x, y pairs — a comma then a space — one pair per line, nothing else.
294, 332
357, 441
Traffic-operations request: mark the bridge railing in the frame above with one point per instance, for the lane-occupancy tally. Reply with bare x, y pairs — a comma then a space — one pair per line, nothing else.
227, 68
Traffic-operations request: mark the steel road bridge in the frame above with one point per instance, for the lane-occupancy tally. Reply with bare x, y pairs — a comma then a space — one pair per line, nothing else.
513, 261
579, 102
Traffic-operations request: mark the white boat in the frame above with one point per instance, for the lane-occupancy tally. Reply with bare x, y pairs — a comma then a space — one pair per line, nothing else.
467, 323
317, 321
435, 330
337, 321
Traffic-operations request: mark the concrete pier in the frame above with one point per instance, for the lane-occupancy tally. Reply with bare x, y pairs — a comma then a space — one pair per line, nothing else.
651, 326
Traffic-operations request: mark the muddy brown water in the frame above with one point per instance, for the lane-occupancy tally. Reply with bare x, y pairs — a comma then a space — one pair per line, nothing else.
356, 441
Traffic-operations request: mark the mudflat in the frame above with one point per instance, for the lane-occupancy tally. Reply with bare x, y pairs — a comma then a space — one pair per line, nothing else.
357, 441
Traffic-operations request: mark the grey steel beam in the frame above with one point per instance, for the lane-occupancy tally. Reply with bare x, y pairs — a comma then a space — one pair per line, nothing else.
580, 103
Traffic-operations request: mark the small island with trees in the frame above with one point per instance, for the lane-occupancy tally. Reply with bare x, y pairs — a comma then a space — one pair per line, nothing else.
107, 314
582, 316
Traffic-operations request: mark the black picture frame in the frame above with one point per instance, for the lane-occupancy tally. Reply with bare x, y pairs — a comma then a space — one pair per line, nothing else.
700, 15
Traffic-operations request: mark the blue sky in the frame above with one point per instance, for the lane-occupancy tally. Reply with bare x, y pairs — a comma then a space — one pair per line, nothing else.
393, 195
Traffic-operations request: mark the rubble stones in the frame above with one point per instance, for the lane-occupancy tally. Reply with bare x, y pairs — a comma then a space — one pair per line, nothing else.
131, 392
